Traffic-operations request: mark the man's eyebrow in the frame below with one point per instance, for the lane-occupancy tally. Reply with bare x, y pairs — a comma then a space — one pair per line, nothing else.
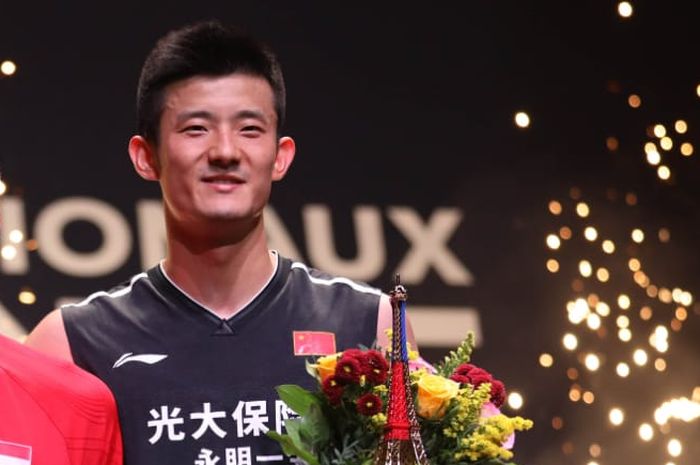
255, 114
203, 114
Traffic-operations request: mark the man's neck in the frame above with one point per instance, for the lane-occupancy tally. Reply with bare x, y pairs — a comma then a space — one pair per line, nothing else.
222, 276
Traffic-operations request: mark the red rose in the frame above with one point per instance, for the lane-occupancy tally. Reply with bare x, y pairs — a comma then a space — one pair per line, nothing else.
348, 370
461, 379
378, 368
333, 390
467, 373
479, 376
464, 369
369, 404
498, 393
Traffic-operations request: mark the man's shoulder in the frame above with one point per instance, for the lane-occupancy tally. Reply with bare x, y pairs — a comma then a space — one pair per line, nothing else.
320, 279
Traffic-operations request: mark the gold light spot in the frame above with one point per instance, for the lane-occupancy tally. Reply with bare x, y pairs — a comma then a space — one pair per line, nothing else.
572, 374
585, 268
624, 9
676, 325
634, 264
8, 252
653, 158
582, 209
15, 236
664, 172
646, 432
640, 357
665, 295
686, 149
612, 143
602, 309
660, 364
546, 360
623, 321
557, 423
590, 233
554, 207
515, 400
631, 199
32, 245
570, 341
652, 291
608, 246
594, 450
625, 335
522, 119
659, 131
686, 298
565, 232
593, 321
664, 235
681, 313
3, 187
623, 301
588, 397
552, 265
26, 297
697, 90
574, 394
603, 275
637, 235
680, 126
592, 362
616, 416
645, 313
634, 101
641, 278
675, 448
666, 143
623, 370
553, 242
8, 68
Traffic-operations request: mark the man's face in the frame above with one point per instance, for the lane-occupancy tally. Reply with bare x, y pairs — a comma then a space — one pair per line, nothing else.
218, 150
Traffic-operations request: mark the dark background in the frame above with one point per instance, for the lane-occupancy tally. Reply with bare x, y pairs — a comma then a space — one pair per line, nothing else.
398, 104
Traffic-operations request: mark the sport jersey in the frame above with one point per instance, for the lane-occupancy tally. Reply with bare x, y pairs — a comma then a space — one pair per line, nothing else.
193, 388
53, 413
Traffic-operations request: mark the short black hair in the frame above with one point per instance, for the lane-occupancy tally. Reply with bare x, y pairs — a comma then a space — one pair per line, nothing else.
207, 48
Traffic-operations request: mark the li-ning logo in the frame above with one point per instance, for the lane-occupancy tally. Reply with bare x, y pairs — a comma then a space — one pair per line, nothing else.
148, 359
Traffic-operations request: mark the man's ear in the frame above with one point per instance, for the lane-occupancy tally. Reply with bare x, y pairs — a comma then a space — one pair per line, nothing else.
144, 158
286, 148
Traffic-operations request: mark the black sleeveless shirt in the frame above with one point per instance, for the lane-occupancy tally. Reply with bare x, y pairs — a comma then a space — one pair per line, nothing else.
193, 388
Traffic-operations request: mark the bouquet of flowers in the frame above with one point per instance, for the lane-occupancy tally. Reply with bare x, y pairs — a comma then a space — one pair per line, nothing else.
342, 423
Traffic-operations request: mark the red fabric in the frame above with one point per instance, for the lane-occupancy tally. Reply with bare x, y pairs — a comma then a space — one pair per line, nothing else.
397, 424
57, 412
313, 343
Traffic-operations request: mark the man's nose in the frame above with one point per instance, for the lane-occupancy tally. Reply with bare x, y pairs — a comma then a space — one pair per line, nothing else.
224, 150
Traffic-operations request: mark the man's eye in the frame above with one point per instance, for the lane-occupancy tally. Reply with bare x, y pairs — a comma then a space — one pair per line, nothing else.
252, 130
194, 129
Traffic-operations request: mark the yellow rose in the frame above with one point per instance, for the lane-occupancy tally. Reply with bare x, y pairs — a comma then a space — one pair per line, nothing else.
325, 366
434, 394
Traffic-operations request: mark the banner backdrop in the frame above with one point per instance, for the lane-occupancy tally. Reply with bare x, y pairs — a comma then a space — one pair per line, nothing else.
409, 161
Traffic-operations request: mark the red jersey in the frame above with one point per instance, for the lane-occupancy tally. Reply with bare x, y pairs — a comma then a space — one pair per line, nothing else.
54, 413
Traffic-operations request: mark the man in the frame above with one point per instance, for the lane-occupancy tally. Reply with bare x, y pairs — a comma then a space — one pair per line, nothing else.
53, 413
193, 348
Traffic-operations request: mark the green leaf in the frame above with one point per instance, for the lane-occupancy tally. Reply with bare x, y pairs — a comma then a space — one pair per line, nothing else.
315, 425
290, 448
297, 398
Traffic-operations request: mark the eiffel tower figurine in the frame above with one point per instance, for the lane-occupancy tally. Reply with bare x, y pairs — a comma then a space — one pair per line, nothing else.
401, 444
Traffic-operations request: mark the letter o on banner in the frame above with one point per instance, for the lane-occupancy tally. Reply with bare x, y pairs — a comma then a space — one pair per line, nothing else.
116, 237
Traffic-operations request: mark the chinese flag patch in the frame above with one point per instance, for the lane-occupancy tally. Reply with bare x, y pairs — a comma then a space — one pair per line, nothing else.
313, 343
